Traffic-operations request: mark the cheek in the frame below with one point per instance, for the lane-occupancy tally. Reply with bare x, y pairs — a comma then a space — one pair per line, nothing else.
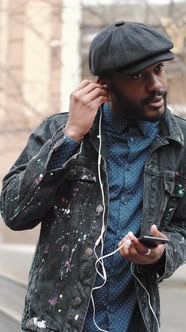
130, 94
165, 85
135, 94
164, 82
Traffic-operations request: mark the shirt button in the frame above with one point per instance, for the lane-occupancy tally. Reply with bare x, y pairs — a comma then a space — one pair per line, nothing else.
99, 208
125, 202
89, 252
131, 139
77, 301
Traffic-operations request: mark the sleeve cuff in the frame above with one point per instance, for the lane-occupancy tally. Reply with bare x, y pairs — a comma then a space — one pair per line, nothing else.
67, 149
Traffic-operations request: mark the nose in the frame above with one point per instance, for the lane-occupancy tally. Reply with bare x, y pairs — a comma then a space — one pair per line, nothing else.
154, 83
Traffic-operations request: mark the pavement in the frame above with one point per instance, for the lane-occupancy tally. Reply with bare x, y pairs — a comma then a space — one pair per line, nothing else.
16, 259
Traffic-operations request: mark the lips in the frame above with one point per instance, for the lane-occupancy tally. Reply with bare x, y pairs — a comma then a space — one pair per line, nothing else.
157, 102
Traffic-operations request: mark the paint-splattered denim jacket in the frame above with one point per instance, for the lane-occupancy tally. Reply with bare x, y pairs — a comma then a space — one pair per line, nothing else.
68, 204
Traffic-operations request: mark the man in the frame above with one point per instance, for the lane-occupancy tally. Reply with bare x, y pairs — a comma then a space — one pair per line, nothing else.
97, 180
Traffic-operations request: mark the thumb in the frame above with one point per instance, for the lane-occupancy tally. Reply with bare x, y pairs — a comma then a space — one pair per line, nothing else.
156, 232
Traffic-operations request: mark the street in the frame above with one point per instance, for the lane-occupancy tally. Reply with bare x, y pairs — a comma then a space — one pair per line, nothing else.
173, 308
7, 324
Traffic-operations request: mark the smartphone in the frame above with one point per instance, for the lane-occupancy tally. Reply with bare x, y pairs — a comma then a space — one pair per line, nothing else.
152, 241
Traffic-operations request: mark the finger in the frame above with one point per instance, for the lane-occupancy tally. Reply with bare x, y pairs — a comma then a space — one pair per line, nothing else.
92, 91
83, 84
124, 252
135, 256
156, 232
95, 104
138, 245
124, 242
132, 249
86, 86
89, 94
96, 94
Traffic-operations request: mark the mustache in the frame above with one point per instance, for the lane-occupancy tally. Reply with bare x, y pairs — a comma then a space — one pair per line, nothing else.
150, 98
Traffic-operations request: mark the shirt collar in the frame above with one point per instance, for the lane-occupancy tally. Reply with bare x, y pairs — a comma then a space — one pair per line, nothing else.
115, 123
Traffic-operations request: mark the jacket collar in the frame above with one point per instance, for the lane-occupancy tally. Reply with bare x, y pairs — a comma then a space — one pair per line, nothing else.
170, 129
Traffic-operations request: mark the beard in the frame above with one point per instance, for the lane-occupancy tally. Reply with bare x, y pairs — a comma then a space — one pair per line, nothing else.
129, 110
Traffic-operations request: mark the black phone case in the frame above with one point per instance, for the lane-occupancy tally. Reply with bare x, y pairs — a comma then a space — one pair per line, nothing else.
152, 242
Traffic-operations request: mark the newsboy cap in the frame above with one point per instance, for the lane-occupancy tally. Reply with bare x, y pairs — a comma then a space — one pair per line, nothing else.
128, 46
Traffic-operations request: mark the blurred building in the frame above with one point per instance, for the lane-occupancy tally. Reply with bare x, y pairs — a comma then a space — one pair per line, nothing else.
30, 70
33, 63
43, 55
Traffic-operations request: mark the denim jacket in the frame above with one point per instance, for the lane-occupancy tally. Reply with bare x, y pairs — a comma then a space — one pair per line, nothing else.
68, 204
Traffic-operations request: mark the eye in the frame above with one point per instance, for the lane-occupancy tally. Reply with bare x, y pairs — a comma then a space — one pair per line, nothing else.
136, 76
159, 67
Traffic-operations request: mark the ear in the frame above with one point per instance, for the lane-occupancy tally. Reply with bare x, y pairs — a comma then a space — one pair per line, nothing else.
102, 80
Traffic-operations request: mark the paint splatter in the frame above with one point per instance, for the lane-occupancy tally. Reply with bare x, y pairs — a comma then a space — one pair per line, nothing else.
52, 301
39, 179
40, 324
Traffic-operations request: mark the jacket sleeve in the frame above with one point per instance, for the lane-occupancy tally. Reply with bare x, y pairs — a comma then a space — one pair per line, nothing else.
176, 231
28, 190
174, 255
174, 223
174, 227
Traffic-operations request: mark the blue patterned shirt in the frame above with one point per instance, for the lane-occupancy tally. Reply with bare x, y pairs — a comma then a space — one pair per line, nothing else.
127, 150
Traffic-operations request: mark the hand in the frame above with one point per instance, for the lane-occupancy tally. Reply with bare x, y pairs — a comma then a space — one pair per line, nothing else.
84, 104
136, 252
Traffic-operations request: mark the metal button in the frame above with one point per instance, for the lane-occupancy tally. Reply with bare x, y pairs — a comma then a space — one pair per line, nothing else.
99, 208
89, 252
77, 301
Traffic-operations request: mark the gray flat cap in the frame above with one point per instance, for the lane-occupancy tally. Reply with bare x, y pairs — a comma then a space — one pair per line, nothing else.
128, 46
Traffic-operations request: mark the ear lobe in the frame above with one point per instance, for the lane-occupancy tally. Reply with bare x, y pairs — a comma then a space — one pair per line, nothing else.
102, 81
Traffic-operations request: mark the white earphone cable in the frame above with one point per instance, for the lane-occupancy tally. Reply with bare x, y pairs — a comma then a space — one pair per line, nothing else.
100, 259
148, 295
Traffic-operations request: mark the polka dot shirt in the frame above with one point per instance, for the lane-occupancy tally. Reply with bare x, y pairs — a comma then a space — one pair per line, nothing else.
127, 150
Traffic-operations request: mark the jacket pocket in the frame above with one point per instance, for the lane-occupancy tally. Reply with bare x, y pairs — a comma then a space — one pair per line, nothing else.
176, 191
169, 184
157, 191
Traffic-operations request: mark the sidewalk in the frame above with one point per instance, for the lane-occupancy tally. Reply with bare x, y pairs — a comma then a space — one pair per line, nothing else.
15, 262
178, 278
